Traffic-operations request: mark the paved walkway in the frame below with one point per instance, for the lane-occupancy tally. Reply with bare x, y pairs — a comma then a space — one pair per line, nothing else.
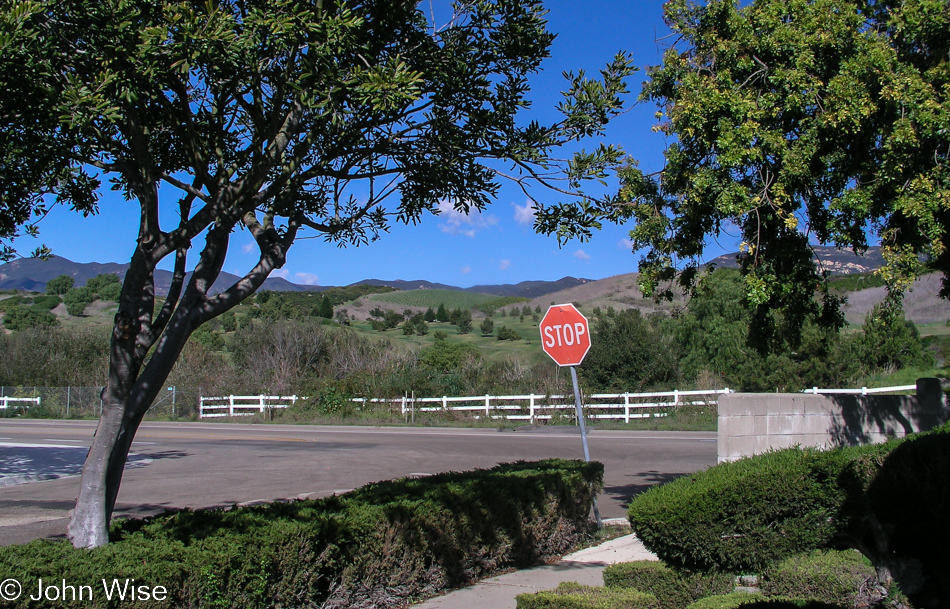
585, 567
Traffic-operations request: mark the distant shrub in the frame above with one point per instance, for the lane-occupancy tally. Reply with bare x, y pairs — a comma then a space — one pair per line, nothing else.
77, 299
58, 286
506, 333
571, 595
673, 589
24, 318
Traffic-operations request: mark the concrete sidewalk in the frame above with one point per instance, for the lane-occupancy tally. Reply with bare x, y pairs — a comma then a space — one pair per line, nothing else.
585, 567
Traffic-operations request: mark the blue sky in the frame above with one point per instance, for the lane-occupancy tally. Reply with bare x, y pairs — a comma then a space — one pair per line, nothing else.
494, 247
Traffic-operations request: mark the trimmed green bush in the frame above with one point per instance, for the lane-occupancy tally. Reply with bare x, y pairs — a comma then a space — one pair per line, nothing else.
384, 544
673, 589
727, 601
571, 595
745, 515
843, 578
755, 601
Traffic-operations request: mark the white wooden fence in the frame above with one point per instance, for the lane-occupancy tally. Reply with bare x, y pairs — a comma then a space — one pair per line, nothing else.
619, 406
5, 401
242, 405
862, 390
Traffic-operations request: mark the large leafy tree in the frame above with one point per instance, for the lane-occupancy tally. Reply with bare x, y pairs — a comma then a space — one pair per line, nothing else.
278, 117
793, 122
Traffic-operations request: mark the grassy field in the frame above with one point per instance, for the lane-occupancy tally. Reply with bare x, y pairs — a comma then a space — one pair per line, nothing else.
492, 349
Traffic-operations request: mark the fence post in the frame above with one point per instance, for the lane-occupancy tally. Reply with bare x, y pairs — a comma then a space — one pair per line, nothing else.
261, 397
531, 408
445, 403
231, 405
486, 406
626, 407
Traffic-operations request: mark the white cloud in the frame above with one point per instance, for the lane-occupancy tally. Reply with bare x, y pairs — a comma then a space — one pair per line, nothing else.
457, 223
504, 264
582, 255
524, 215
247, 248
625, 244
282, 273
307, 278
466, 270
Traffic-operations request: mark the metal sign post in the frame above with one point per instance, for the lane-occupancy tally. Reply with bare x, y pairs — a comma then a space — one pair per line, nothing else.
565, 336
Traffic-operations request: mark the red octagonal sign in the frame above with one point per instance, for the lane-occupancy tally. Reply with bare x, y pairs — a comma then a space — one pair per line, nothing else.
565, 334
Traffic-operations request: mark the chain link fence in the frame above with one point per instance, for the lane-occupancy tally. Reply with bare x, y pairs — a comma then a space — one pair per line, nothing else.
86, 402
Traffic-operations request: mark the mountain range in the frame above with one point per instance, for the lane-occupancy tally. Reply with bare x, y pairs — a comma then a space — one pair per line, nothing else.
31, 274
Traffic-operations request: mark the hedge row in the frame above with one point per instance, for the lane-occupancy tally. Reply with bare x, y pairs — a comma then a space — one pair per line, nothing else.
382, 545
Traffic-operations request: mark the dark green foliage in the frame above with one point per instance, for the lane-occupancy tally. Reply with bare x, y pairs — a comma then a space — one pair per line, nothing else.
754, 601
207, 337
489, 308
464, 325
628, 353
101, 280
842, 578
383, 544
745, 515
58, 286
441, 314
77, 299
487, 326
228, 321
897, 513
25, 318
571, 595
889, 341
429, 315
673, 589
727, 601
506, 333
448, 357
46, 302
326, 308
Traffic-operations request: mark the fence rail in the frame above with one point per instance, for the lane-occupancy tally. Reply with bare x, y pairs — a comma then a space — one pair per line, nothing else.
532, 407
242, 405
5, 401
862, 390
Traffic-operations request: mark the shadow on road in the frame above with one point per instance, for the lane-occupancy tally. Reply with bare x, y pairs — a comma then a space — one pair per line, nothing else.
645, 480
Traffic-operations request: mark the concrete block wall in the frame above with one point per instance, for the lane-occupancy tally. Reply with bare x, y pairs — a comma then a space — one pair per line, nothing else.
754, 423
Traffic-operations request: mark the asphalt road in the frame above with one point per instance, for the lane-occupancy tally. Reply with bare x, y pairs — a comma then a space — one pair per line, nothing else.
197, 465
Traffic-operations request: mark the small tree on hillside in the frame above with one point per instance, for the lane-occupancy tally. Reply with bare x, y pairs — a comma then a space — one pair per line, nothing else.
441, 315
57, 286
326, 308
487, 326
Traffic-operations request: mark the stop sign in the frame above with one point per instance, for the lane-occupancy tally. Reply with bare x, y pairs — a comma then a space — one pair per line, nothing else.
565, 335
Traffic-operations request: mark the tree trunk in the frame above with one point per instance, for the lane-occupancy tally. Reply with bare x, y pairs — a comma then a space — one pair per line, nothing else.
101, 476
